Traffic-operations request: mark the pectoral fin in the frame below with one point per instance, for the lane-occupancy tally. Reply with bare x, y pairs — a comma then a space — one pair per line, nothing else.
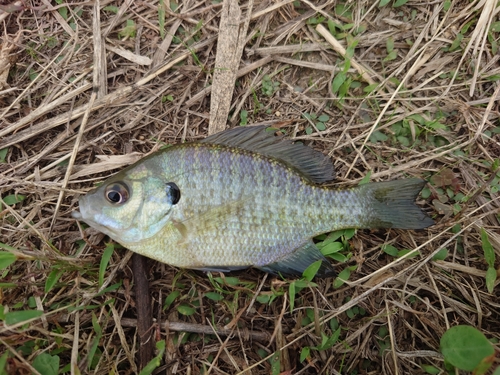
295, 263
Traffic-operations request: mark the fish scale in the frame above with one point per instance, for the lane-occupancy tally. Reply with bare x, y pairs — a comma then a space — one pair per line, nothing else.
246, 198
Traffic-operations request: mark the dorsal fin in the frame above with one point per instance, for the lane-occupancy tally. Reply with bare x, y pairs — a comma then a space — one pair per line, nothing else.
313, 164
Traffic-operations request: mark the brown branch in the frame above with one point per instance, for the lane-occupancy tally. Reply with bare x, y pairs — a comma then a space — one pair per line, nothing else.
144, 314
230, 46
200, 328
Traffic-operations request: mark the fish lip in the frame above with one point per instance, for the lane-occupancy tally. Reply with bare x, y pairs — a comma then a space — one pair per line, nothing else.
77, 215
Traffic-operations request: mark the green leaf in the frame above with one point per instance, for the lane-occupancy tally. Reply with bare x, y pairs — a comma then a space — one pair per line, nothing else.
291, 295
109, 289
430, 369
403, 252
169, 97
341, 258
370, 88
383, 3
129, 30
304, 353
342, 278
331, 27
6, 259
312, 270
106, 256
52, 279
378, 136
399, 3
389, 44
436, 125
456, 43
32, 302
323, 118
12, 199
328, 342
156, 361
344, 88
95, 341
3, 154
320, 126
263, 298
171, 298
338, 81
491, 277
243, 117
391, 56
495, 26
366, 179
465, 347
214, 296
441, 254
418, 118
14, 317
186, 310
332, 247
275, 363
161, 18
391, 250
349, 233
95, 325
349, 53
3, 363
405, 141
231, 281
489, 253
112, 9
46, 364
426, 193
63, 11
334, 236
8, 285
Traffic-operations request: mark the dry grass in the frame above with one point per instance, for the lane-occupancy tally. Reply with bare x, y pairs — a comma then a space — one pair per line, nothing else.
434, 113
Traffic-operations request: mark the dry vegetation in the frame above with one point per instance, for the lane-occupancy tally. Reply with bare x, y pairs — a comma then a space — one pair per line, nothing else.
419, 97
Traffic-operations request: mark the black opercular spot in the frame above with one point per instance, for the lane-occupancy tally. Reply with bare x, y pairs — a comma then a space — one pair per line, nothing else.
117, 193
173, 192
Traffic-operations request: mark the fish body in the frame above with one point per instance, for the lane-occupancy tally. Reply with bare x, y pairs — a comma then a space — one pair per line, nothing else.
239, 199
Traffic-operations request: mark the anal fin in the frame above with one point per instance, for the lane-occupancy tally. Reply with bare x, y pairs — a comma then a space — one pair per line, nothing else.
295, 263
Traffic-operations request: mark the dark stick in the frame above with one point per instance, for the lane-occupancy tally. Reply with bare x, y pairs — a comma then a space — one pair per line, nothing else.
144, 316
205, 329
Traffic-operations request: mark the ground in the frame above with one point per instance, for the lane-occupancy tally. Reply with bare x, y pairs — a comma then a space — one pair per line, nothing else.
386, 89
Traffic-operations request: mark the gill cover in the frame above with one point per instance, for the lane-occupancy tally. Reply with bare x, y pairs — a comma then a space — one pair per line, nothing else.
129, 208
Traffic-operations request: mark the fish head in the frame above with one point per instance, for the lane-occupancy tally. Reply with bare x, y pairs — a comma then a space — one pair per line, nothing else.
131, 206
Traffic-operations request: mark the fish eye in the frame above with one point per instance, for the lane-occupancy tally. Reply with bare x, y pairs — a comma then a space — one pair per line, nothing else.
117, 193
174, 193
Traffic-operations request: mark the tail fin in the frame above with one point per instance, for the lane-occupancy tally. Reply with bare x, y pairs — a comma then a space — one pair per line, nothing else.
393, 205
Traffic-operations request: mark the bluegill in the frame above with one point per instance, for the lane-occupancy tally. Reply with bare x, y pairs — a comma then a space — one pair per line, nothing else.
241, 198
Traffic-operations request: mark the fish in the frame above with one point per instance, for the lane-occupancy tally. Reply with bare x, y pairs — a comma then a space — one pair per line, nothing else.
242, 198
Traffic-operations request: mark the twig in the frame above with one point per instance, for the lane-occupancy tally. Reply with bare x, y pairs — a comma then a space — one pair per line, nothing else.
229, 51
200, 328
240, 73
144, 314
365, 73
